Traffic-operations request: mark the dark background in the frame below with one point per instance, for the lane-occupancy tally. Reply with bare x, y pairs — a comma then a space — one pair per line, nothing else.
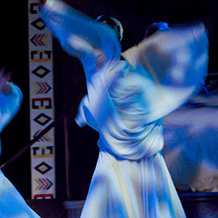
69, 80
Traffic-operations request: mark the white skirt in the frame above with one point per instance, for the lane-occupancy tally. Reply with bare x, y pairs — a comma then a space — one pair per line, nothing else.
12, 204
132, 189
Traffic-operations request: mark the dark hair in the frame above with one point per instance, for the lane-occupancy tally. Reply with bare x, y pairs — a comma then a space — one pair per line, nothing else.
151, 30
154, 27
110, 22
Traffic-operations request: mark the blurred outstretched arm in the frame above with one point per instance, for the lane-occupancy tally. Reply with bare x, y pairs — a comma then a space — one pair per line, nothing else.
94, 43
10, 100
171, 66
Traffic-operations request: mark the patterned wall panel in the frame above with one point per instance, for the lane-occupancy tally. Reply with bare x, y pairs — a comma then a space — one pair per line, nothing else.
41, 105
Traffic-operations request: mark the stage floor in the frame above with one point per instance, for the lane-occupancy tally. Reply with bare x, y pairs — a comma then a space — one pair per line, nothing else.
196, 205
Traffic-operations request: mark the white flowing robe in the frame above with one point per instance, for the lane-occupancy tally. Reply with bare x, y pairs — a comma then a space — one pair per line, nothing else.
12, 204
190, 152
125, 103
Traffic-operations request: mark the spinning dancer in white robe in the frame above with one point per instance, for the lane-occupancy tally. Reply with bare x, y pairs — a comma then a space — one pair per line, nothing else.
12, 204
125, 103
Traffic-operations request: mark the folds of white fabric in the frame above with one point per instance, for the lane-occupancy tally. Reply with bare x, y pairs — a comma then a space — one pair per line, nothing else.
171, 66
191, 147
12, 205
132, 189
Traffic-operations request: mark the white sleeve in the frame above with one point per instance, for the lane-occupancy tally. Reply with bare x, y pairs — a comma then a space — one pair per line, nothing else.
170, 67
94, 43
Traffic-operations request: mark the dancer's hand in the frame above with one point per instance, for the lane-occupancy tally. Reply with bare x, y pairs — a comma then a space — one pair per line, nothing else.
5, 88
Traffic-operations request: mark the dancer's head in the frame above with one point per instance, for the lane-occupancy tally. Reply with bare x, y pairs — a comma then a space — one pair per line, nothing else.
157, 27
113, 23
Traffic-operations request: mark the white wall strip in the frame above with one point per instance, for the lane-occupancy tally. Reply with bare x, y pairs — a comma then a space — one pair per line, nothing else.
41, 105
